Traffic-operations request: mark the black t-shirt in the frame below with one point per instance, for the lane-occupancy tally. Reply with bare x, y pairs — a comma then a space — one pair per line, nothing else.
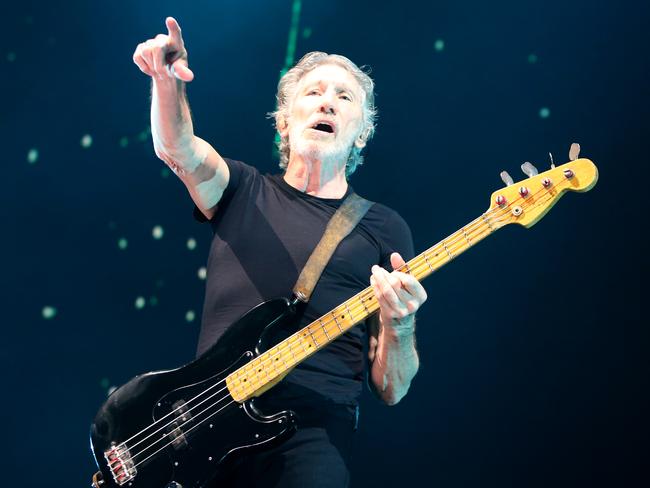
264, 232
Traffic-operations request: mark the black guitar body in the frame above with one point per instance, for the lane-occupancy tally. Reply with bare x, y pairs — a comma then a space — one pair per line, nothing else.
181, 427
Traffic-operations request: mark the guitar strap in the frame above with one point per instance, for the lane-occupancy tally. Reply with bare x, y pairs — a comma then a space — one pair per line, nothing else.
345, 219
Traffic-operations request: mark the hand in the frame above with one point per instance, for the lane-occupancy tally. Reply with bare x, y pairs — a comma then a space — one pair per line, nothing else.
399, 295
164, 56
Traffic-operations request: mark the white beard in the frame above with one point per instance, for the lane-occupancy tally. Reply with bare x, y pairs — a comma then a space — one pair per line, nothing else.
318, 149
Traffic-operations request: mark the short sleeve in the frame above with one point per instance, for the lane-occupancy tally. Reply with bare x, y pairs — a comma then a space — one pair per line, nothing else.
240, 175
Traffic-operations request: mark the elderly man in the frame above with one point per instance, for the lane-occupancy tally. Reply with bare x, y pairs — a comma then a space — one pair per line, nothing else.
265, 228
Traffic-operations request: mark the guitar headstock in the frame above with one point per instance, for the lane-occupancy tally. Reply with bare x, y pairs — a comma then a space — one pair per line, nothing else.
527, 201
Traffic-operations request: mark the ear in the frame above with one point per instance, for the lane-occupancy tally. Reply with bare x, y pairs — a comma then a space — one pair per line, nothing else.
362, 139
282, 126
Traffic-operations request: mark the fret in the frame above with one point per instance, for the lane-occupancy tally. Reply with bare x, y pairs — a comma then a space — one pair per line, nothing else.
312, 336
325, 330
469, 241
363, 302
447, 250
426, 260
487, 221
352, 319
336, 320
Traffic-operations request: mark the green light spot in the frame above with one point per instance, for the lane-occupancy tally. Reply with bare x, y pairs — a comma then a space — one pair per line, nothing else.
165, 172
104, 383
32, 156
202, 273
153, 301
139, 303
11, 57
48, 312
439, 45
532, 58
124, 141
122, 243
157, 232
306, 33
144, 135
544, 113
86, 141
191, 243
190, 315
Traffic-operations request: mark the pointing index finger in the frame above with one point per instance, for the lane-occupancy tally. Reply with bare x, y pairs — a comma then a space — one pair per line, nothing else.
174, 30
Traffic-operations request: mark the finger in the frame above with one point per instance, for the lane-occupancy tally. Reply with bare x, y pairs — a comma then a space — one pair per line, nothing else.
412, 286
180, 70
157, 57
174, 31
386, 293
396, 260
140, 62
148, 59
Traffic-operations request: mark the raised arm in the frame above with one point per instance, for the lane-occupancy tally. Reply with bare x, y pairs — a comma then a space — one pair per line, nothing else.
193, 160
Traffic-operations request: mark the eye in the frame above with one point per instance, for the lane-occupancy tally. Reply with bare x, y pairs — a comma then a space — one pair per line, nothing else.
346, 97
312, 92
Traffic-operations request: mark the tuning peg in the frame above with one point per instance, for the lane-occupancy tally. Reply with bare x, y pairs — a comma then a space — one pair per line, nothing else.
506, 178
552, 163
529, 169
574, 151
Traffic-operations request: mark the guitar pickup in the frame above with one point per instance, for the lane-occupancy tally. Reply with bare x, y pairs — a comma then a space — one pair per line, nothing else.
176, 430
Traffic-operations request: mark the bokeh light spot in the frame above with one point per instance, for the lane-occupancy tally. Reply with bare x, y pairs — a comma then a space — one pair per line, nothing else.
532, 58
32, 156
202, 273
157, 232
124, 141
11, 56
139, 303
104, 383
439, 45
544, 112
48, 312
191, 243
190, 315
86, 141
306, 33
122, 243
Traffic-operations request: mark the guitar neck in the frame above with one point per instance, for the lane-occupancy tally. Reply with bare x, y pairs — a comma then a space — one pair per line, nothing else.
268, 368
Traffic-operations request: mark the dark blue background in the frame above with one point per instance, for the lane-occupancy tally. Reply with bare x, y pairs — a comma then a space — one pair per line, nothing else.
534, 355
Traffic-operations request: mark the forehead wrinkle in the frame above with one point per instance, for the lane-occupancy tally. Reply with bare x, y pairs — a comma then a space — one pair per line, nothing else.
303, 83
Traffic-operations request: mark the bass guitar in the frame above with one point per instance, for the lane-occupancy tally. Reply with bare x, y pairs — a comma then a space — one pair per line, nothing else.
179, 428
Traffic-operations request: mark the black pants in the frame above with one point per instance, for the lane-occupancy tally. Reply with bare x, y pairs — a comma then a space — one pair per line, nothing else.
317, 456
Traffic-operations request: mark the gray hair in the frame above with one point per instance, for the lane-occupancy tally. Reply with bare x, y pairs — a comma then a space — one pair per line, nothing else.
287, 90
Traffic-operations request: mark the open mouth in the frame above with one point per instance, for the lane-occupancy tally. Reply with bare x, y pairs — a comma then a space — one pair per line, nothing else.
324, 127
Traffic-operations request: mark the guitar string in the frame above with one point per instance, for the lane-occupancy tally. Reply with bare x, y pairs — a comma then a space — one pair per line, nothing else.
290, 345
169, 443
330, 321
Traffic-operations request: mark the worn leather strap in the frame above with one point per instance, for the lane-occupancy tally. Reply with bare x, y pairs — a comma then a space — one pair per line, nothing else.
340, 225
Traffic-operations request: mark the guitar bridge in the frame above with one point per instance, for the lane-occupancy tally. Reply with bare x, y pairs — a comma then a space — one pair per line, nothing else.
121, 464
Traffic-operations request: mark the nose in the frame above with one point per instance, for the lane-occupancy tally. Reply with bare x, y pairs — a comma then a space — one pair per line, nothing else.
327, 104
